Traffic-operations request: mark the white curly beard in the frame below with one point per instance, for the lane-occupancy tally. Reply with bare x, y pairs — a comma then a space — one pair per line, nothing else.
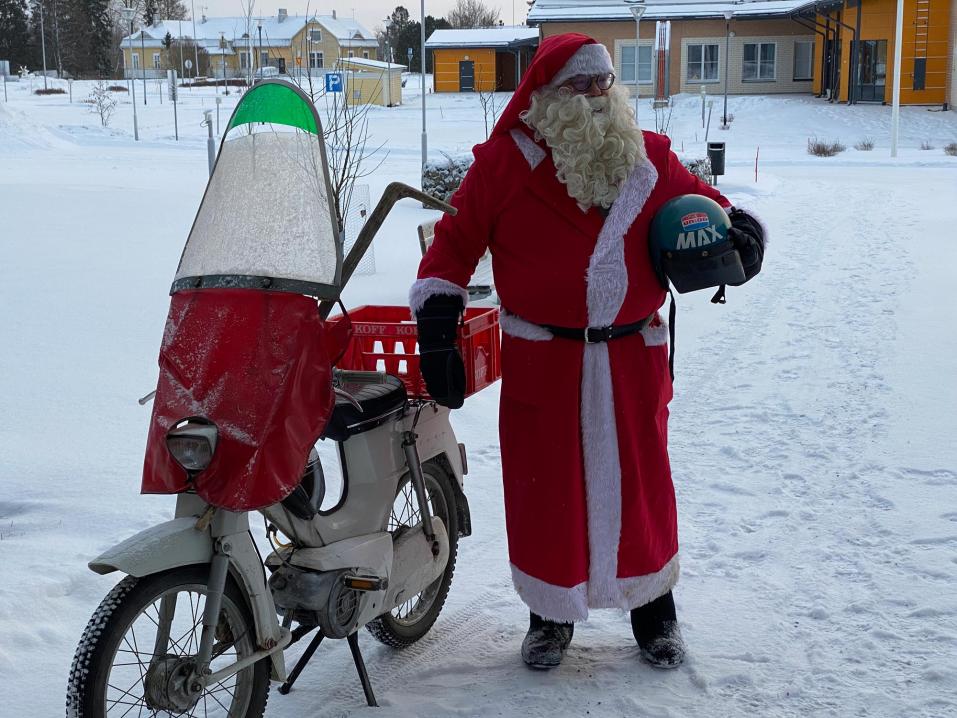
595, 141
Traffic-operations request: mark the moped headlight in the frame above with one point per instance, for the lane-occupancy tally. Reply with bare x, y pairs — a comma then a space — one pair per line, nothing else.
192, 444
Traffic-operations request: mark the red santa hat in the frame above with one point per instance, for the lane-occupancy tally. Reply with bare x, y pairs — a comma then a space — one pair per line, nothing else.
559, 57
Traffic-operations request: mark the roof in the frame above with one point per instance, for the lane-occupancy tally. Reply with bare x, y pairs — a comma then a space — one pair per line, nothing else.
371, 64
275, 32
597, 10
484, 37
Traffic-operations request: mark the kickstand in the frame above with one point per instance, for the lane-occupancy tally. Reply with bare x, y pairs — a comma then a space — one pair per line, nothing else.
361, 668
301, 663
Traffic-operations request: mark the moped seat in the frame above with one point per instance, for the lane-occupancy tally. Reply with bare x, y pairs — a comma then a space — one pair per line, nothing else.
379, 400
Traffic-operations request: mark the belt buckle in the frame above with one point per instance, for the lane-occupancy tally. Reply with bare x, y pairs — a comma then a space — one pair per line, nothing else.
604, 334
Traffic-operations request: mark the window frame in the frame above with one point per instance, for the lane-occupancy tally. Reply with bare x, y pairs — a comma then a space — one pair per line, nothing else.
314, 34
702, 63
810, 65
760, 44
134, 61
316, 54
640, 65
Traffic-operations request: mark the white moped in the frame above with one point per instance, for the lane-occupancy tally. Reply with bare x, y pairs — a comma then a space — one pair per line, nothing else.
195, 627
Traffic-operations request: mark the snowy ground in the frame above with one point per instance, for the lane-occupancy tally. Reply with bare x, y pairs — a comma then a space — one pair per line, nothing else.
811, 431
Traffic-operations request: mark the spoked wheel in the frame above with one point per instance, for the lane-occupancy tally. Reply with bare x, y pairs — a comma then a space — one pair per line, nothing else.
409, 621
137, 651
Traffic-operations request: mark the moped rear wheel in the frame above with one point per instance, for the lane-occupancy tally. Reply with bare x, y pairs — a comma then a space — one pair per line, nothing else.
408, 622
126, 665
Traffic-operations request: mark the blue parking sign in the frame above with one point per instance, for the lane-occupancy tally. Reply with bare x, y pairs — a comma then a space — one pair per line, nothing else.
333, 82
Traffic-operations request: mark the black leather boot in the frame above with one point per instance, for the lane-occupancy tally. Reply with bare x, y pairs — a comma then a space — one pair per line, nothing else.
655, 626
545, 642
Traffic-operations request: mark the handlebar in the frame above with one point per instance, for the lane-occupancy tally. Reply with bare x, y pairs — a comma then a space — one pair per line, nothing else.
393, 193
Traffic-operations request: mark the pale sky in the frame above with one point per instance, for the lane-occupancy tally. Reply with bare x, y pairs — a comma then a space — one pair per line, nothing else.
370, 13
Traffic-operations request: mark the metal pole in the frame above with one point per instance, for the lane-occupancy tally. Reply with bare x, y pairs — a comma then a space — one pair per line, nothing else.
896, 111
143, 64
637, 36
210, 142
388, 76
425, 136
727, 59
43, 44
192, 13
136, 132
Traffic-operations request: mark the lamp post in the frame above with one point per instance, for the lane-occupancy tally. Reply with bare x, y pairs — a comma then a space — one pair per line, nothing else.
388, 65
637, 8
128, 12
43, 44
192, 12
259, 49
425, 137
222, 48
143, 63
728, 14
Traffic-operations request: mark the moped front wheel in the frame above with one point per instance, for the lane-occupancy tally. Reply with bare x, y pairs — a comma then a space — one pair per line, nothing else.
136, 652
407, 623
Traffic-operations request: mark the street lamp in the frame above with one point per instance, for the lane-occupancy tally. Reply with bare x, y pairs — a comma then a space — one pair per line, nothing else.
222, 47
128, 13
259, 50
425, 137
388, 64
637, 8
728, 14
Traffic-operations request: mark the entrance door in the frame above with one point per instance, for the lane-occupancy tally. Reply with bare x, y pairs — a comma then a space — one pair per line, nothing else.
873, 71
466, 76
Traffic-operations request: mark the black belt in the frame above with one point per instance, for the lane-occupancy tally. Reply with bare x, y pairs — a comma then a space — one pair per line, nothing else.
594, 335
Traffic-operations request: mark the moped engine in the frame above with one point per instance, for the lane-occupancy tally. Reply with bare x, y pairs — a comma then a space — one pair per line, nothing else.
324, 597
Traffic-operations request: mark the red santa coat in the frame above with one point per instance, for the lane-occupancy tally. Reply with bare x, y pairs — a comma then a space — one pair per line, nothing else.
589, 502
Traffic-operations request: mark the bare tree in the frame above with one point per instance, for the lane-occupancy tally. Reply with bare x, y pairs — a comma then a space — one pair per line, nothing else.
491, 106
102, 102
248, 7
472, 13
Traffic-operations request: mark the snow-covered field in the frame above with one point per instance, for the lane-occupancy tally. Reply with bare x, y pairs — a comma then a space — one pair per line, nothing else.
812, 429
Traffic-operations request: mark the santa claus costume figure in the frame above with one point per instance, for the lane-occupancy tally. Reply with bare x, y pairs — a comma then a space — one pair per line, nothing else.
562, 194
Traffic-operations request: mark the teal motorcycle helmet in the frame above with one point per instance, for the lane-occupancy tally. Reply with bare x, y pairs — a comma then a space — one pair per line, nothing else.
691, 247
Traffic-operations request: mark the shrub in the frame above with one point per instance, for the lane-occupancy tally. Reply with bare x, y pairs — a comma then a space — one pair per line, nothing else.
441, 179
50, 91
700, 168
117, 88
865, 145
951, 149
820, 148
103, 103
925, 145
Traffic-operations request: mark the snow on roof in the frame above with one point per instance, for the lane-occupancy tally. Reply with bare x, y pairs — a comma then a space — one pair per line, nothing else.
592, 10
482, 37
372, 64
275, 31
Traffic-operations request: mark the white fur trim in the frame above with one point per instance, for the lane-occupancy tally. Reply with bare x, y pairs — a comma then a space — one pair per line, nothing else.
591, 59
556, 603
515, 326
532, 153
570, 605
655, 336
431, 286
607, 286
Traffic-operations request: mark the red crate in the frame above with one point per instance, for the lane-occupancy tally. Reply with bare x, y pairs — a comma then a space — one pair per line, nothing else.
385, 338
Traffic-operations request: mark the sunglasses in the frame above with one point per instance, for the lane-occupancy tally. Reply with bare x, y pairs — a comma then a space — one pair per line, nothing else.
583, 83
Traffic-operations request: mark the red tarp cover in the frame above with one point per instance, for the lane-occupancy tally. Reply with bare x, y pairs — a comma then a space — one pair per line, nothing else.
256, 364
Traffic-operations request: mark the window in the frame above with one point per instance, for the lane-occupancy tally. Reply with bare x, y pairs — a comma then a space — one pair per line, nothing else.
365, 55
315, 60
136, 61
315, 34
244, 61
628, 64
263, 58
156, 61
702, 63
758, 62
351, 53
803, 60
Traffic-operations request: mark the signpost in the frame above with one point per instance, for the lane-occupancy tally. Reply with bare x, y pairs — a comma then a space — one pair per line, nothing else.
171, 77
189, 66
333, 82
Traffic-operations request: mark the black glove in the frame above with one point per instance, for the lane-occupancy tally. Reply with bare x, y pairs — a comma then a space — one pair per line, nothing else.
439, 359
747, 236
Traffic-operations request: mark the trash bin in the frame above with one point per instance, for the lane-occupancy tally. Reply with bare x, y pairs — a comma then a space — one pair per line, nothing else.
716, 157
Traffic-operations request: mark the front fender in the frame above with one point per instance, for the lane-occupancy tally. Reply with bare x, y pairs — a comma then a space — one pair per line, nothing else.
159, 548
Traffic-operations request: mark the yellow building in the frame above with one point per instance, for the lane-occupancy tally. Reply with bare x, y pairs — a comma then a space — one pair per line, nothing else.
855, 58
372, 81
236, 47
482, 59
